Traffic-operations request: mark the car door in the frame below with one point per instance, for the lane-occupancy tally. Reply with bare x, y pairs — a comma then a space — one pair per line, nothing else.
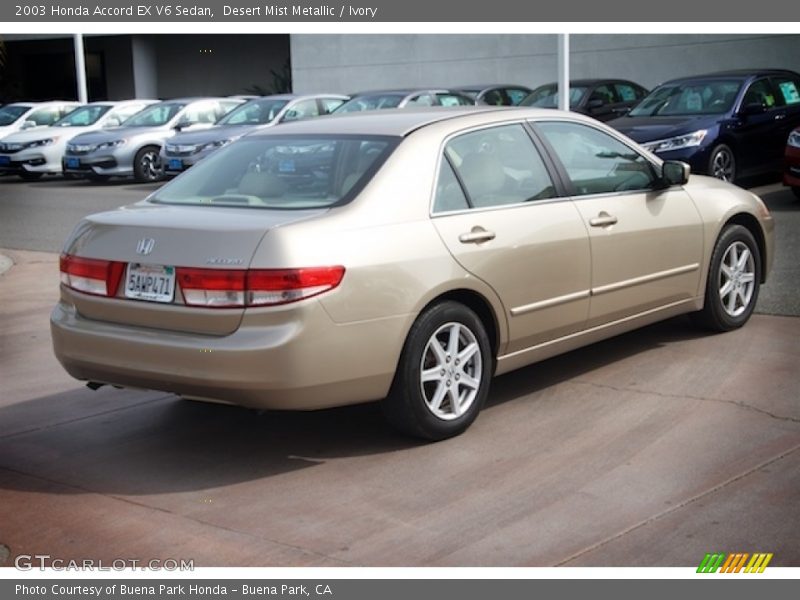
500, 215
787, 89
760, 117
646, 243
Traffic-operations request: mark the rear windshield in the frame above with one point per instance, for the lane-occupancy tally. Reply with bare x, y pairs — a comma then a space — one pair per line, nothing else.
696, 97
10, 113
293, 173
255, 112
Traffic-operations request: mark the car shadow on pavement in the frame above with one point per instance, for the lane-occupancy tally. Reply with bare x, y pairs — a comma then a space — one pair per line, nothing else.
143, 444
781, 200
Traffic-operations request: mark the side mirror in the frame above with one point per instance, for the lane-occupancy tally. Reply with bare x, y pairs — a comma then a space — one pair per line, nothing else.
675, 172
752, 108
594, 104
29, 124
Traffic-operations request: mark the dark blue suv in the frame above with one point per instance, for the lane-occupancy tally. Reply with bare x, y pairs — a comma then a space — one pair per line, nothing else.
728, 124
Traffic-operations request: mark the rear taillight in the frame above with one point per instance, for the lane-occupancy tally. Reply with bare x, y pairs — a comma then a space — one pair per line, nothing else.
89, 275
219, 288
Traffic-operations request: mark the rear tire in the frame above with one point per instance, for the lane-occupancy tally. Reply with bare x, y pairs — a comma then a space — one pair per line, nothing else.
722, 163
734, 278
443, 376
147, 166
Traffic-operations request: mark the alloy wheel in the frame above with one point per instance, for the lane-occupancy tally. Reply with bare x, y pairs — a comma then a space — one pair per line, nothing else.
723, 165
737, 279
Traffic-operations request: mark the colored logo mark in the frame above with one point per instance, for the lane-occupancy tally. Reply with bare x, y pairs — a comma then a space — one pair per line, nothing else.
735, 563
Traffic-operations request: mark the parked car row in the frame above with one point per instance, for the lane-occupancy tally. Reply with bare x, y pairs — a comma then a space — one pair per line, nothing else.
729, 124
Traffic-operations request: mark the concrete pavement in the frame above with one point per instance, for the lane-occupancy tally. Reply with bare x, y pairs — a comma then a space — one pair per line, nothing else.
652, 448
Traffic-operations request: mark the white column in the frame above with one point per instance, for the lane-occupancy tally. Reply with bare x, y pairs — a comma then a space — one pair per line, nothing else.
80, 69
563, 71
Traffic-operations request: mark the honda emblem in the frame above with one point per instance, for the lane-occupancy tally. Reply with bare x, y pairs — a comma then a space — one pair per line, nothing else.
145, 246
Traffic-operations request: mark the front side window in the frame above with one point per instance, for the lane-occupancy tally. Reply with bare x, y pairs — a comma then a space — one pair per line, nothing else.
493, 98
48, 116
546, 96
201, 113
302, 110
760, 93
445, 99
596, 162
496, 166
255, 112
83, 116
627, 92
287, 172
125, 112
421, 100
604, 93
330, 104
156, 115
371, 102
516, 95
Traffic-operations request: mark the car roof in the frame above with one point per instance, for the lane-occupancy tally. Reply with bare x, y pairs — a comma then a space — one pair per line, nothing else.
398, 122
489, 86
736, 74
589, 82
404, 91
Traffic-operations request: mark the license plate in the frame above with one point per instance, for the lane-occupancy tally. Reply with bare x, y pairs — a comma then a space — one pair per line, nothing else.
5, 160
73, 163
175, 164
154, 283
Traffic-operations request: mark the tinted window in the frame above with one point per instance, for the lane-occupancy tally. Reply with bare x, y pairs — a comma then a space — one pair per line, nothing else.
627, 93
280, 172
695, 97
499, 166
516, 96
547, 96
596, 162
604, 93
83, 116
760, 92
494, 98
255, 112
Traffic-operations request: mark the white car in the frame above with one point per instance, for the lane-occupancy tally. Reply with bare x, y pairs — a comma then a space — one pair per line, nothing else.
28, 115
34, 152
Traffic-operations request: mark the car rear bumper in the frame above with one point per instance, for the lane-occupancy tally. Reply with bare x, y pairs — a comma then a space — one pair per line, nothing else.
301, 362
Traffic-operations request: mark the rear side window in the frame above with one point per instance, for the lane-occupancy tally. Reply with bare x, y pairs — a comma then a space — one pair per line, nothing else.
496, 166
304, 109
48, 116
789, 90
288, 172
596, 162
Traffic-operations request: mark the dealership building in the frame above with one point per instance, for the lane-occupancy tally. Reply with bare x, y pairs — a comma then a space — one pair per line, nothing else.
40, 67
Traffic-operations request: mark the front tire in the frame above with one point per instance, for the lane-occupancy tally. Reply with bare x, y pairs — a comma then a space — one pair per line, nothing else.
147, 165
733, 281
722, 163
443, 376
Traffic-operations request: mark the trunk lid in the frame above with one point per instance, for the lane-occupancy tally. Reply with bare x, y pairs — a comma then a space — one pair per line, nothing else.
171, 236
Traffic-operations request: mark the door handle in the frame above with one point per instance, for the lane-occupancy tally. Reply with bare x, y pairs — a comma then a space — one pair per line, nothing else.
603, 220
476, 236
780, 117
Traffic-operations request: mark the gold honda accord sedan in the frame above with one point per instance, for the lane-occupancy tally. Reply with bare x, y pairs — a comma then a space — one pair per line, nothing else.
401, 256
